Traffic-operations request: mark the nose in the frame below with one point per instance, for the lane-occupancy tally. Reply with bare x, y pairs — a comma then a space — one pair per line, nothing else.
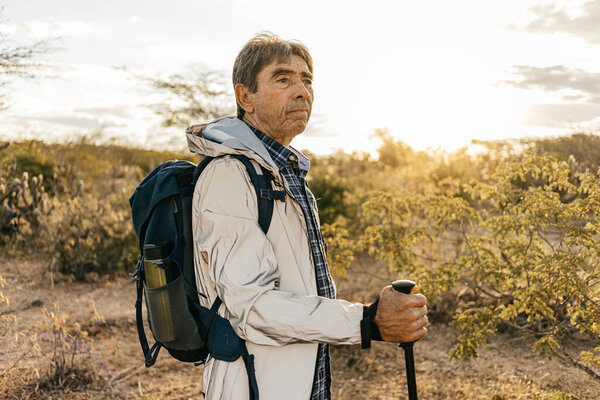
301, 90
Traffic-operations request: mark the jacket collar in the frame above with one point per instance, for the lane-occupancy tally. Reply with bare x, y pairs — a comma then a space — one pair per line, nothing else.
228, 135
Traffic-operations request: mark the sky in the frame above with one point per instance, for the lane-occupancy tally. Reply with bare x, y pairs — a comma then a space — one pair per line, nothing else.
435, 73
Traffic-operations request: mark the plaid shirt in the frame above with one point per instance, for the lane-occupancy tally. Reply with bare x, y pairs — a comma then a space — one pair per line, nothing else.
294, 167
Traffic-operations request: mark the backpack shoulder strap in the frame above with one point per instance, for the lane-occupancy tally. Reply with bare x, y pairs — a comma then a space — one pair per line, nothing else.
265, 195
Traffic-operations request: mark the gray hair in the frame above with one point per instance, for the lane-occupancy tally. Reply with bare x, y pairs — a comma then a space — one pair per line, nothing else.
261, 51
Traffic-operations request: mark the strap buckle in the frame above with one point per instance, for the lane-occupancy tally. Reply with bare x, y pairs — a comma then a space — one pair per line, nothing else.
269, 194
137, 274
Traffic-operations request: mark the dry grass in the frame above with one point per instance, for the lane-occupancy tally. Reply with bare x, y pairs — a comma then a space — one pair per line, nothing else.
108, 364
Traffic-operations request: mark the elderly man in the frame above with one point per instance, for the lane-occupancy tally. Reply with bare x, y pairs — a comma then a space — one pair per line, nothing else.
276, 288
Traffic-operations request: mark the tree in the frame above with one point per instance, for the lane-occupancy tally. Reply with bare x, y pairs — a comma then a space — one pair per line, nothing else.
17, 60
193, 97
392, 153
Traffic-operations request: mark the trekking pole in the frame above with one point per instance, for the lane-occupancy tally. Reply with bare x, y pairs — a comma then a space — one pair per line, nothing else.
408, 287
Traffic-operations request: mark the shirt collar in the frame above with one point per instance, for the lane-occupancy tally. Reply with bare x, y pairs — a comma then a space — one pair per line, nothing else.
282, 155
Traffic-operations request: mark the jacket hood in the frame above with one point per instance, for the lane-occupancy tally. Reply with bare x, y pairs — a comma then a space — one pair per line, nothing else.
228, 135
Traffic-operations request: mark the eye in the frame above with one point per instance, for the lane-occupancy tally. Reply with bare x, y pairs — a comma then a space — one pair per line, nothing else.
282, 79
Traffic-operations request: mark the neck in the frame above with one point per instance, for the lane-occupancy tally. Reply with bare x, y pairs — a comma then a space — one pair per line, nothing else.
282, 139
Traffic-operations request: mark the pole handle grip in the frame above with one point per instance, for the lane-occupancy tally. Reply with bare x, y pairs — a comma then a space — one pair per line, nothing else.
405, 286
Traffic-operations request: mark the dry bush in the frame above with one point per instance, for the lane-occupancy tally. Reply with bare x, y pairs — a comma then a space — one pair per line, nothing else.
54, 359
7, 322
22, 202
87, 235
53, 199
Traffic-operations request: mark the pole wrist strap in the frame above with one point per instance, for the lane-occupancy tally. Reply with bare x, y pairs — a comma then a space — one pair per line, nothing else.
368, 328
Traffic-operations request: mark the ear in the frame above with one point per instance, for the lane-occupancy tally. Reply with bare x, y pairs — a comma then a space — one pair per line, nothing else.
244, 98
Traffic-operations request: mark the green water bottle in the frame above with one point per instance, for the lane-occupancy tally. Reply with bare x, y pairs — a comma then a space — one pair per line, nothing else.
158, 277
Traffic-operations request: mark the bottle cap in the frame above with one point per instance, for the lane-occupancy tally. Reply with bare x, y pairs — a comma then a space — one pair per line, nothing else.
157, 251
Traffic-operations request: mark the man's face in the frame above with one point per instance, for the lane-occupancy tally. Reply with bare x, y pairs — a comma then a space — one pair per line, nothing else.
283, 100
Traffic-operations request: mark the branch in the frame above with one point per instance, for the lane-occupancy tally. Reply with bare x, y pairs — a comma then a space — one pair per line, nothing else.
581, 366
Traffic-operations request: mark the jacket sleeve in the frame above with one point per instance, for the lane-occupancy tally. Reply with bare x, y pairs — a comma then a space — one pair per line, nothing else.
244, 271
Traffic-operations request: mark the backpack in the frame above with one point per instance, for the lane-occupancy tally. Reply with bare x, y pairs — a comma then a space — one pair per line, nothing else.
161, 209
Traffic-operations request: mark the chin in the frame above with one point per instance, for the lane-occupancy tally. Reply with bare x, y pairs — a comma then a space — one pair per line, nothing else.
300, 128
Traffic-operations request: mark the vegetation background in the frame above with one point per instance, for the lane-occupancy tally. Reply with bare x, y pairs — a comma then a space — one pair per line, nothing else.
502, 241
501, 236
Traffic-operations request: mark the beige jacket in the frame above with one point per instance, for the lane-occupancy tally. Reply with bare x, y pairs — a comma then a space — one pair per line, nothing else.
267, 282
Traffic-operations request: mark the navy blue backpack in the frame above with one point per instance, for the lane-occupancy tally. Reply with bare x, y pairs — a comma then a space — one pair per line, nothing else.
161, 209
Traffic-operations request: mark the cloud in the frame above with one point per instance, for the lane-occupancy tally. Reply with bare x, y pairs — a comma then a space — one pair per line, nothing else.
584, 23
114, 111
317, 126
72, 122
7, 29
40, 29
577, 94
573, 84
561, 114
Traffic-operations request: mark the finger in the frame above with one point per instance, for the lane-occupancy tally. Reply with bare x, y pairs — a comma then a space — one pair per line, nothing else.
423, 322
419, 334
418, 299
419, 312
424, 310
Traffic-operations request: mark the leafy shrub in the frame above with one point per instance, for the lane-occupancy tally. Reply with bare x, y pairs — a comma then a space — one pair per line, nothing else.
329, 192
340, 252
528, 258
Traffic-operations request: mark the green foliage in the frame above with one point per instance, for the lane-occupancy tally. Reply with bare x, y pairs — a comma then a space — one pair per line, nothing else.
473, 325
340, 252
392, 230
546, 345
534, 255
561, 396
529, 258
329, 192
591, 358
453, 172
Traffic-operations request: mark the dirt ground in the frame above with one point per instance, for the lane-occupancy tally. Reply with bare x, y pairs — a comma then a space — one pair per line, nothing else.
505, 369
